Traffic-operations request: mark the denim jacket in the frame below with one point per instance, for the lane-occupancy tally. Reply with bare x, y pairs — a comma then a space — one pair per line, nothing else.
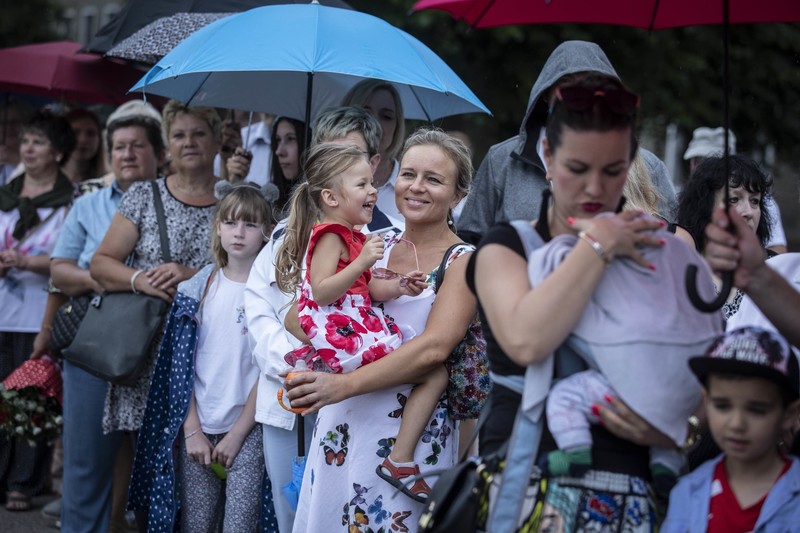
690, 499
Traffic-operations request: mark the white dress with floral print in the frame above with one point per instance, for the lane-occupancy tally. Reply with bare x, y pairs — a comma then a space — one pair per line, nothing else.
341, 491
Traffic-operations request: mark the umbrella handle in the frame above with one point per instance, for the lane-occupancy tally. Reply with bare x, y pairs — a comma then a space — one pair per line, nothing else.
694, 296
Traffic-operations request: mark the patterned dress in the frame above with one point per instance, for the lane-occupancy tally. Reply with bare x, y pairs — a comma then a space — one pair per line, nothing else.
188, 231
341, 491
350, 332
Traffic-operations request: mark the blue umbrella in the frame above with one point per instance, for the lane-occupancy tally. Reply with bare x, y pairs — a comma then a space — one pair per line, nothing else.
298, 59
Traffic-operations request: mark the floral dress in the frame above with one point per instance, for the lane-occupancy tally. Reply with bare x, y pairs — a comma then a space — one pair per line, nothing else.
341, 490
350, 332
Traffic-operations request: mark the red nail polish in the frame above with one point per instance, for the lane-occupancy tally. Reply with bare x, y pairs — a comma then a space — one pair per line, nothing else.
651, 267
661, 223
662, 242
601, 422
608, 398
570, 220
595, 410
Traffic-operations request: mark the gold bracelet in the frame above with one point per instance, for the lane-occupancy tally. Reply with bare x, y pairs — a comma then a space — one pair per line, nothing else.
596, 246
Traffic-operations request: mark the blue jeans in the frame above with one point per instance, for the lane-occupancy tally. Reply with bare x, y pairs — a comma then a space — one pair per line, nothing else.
89, 455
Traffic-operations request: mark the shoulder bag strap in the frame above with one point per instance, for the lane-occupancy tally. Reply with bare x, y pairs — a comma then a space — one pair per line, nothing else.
162, 223
439, 279
523, 445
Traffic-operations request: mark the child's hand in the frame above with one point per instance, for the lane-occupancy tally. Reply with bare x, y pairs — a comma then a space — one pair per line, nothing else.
372, 251
227, 449
413, 284
199, 449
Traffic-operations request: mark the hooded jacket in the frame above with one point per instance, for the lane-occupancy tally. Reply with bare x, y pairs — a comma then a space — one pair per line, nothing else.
511, 178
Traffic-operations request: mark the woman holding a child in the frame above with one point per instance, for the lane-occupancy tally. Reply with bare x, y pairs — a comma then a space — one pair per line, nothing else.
591, 283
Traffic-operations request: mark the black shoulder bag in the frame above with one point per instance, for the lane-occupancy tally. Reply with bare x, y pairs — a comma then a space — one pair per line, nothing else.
115, 337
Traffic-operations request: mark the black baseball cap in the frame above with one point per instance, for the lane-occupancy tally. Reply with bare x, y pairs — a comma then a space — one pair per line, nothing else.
752, 352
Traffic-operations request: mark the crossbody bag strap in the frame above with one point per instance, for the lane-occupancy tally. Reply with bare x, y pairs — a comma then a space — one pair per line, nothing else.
523, 445
162, 223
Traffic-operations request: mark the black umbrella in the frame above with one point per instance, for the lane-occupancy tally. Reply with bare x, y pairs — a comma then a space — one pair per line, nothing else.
139, 13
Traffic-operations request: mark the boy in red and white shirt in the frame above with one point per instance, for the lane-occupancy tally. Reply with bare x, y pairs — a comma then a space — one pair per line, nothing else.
751, 389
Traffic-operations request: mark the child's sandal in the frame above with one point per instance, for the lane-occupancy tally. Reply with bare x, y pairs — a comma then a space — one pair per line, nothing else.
394, 475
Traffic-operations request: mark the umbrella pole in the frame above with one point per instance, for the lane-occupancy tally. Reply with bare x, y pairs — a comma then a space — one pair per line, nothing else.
249, 123
691, 270
5, 121
309, 91
301, 436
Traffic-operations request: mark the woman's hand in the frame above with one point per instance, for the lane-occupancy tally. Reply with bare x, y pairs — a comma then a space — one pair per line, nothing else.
41, 344
739, 251
413, 284
623, 234
227, 449
199, 448
316, 390
618, 418
167, 276
13, 259
238, 165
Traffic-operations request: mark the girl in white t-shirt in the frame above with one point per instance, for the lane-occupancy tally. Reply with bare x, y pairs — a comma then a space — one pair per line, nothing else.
220, 436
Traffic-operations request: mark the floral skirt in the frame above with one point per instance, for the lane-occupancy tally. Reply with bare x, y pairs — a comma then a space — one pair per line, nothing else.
345, 335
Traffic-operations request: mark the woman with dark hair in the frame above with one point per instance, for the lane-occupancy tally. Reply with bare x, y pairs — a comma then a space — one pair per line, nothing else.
87, 161
32, 209
749, 187
288, 144
580, 308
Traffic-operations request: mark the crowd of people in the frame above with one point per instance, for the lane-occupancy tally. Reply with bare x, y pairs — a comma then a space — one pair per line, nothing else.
300, 379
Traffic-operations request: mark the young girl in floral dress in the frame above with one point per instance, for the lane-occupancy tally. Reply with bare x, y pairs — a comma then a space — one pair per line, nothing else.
335, 294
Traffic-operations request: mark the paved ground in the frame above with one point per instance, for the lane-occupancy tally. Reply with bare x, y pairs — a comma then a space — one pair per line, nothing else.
28, 522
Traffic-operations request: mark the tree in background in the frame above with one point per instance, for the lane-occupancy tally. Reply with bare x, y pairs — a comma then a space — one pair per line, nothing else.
29, 21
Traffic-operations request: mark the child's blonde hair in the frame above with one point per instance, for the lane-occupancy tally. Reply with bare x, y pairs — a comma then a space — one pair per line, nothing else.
245, 202
323, 166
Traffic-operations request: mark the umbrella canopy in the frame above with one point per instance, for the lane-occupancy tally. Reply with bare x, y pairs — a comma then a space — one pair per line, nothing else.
312, 56
158, 38
648, 14
57, 70
139, 13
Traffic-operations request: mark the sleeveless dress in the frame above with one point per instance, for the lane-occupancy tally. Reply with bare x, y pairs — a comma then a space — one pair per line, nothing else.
350, 332
340, 489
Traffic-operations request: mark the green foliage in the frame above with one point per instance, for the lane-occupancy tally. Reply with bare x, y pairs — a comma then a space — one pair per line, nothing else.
677, 72
29, 21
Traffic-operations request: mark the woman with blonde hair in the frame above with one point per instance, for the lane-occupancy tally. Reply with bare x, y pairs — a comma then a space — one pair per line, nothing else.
382, 101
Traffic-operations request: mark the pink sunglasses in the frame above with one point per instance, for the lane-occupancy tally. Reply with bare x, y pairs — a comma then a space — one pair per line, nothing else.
385, 273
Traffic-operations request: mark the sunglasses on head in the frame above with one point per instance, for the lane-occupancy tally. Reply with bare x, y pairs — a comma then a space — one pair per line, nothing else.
619, 101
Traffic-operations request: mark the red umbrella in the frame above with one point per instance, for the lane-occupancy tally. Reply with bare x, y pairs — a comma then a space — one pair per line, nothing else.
648, 14
57, 70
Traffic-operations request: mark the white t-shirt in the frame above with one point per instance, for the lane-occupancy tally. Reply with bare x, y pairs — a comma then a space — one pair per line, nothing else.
224, 368
23, 293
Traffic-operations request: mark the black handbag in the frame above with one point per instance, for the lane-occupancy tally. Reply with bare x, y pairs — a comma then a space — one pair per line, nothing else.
66, 323
115, 337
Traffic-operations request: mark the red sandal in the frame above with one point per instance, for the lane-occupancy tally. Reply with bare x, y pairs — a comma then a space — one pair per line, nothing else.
394, 475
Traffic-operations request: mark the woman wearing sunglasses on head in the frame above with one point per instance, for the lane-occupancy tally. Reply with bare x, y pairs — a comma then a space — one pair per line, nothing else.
582, 308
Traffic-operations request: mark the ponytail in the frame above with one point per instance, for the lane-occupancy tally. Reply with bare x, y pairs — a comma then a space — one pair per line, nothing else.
303, 214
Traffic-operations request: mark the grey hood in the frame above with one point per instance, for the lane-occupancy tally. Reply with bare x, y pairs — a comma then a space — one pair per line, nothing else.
568, 58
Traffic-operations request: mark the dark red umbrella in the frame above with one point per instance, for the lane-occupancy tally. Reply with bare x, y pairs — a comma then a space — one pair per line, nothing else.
648, 14
57, 70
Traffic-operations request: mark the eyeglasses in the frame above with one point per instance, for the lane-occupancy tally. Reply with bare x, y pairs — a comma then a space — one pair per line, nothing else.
385, 273
577, 98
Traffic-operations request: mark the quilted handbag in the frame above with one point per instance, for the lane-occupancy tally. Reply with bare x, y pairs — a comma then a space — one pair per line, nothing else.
66, 322
467, 365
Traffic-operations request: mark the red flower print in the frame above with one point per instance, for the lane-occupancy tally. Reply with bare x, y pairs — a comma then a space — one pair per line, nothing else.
305, 300
370, 320
375, 352
329, 356
344, 333
307, 324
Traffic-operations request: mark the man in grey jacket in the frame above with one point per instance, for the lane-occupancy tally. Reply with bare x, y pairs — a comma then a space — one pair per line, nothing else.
510, 181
